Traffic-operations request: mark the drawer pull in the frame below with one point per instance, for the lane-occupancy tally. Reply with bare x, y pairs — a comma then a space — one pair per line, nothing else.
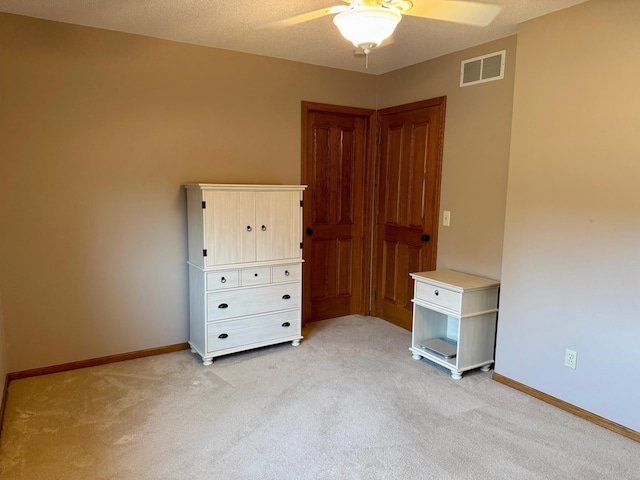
286, 273
264, 228
286, 324
255, 274
223, 280
248, 228
223, 335
436, 293
286, 297
223, 305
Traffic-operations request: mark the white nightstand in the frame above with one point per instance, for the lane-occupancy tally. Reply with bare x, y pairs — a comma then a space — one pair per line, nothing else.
454, 320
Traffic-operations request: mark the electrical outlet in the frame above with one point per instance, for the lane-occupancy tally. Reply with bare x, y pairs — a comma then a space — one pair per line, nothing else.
570, 358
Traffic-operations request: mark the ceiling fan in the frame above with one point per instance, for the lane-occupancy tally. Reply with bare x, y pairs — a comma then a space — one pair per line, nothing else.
367, 23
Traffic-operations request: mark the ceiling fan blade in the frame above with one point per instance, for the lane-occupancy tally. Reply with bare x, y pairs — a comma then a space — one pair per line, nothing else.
305, 17
468, 13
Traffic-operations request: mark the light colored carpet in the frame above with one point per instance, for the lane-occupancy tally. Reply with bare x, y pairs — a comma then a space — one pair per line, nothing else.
348, 403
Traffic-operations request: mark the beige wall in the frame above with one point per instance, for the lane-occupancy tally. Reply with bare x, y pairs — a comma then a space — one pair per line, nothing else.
571, 268
98, 130
476, 153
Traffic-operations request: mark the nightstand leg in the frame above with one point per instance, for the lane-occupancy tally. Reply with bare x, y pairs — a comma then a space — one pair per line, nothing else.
456, 375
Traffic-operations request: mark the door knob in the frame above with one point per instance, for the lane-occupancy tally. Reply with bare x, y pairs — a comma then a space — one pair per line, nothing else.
309, 231
425, 238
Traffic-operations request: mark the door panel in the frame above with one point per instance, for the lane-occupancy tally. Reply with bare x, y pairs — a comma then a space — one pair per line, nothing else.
336, 216
408, 203
345, 272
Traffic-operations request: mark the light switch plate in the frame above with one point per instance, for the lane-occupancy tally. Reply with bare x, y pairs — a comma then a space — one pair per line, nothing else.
446, 218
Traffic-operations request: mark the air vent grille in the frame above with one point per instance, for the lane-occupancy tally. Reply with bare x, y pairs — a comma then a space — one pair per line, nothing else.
482, 69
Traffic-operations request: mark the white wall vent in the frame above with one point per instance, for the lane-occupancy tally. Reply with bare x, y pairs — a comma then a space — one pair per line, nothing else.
482, 69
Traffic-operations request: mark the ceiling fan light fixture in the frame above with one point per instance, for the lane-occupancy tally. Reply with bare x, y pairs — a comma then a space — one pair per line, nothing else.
367, 27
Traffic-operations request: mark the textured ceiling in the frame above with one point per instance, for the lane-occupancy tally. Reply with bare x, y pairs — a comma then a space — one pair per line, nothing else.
231, 25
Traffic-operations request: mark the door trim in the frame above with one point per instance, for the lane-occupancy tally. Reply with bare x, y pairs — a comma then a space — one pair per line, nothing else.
369, 158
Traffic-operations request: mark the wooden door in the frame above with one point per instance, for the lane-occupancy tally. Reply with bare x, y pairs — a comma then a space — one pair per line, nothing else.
337, 210
278, 225
408, 202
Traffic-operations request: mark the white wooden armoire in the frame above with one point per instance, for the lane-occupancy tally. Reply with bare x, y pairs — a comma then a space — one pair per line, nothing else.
245, 267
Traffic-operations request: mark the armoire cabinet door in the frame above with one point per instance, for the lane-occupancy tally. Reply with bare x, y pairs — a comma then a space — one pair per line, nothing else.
278, 225
230, 227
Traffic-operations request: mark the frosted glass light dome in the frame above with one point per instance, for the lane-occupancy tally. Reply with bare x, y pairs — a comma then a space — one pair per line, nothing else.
367, 27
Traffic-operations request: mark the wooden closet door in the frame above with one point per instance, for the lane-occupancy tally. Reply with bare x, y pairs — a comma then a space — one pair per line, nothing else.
335, 146
410, 167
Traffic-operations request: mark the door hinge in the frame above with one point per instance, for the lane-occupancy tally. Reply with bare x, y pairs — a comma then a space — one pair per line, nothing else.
375, 295
204, 204
302, 203
300, 244
204, 252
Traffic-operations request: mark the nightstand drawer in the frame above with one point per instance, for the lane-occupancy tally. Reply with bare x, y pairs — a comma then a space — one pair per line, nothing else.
442, 297
222, 279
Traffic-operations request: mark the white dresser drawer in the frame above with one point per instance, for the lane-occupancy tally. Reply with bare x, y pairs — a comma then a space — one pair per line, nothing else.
442, 297
246, 331
221, 279
236, 303
286, 273
255, 276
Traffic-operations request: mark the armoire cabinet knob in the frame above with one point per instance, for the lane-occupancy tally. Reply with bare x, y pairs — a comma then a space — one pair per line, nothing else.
223, 280
286, 273
248, 228
264, 228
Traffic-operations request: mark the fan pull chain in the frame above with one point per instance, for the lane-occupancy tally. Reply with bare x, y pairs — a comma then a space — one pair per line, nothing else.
366, 58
